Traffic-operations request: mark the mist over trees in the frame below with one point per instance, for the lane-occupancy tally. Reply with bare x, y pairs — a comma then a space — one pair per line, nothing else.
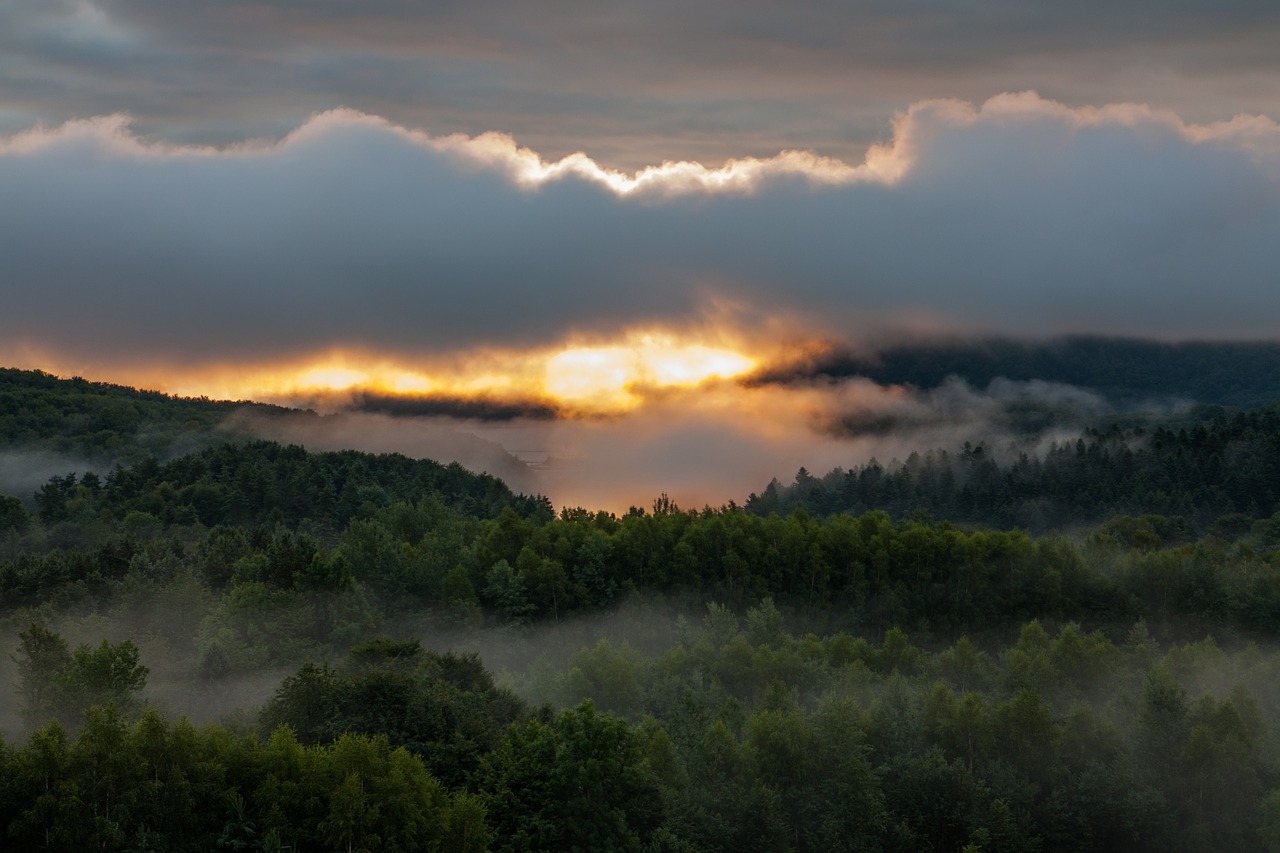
1217, 470
256, 646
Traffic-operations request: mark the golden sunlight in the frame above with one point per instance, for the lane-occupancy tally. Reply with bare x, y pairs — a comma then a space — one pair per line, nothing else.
608, 378
617, 375
331, 378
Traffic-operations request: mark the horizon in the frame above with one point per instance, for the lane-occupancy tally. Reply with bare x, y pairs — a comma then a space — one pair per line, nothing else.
585, 229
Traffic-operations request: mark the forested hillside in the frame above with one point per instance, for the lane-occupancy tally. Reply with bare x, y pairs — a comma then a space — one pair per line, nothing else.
257, 646
1221, 468
98, 420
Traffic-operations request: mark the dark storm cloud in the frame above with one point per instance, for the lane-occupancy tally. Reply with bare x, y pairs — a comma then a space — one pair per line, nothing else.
629, 83
1024, 217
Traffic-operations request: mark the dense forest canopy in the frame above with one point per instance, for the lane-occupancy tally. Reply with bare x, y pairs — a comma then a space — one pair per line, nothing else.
252, 645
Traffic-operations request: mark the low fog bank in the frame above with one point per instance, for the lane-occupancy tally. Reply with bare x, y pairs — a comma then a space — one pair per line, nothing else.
722, 441
710, 445
23, 472
444, 440
649, 625
159, 623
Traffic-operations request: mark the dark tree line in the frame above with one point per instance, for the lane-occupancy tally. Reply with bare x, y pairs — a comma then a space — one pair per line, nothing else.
389, 534
98, 420
1226, 465
265, 483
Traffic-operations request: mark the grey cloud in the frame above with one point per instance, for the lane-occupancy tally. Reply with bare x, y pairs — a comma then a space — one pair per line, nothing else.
630, 83
1025, 217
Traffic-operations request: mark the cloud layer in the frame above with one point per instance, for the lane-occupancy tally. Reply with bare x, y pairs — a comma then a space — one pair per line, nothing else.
630, 83
1019, 216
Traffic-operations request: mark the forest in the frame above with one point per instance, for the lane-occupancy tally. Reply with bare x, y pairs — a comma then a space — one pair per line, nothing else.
1211, 469
221, 642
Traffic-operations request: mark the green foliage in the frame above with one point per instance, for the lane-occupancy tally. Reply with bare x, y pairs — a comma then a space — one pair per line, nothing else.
575, 783
609, 677
506, 592
1153, 484
443, 707
98, 420
105, 674
57, 683
13, 515
43, 655
175, 787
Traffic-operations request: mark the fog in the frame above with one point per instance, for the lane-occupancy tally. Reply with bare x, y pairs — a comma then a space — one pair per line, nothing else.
722, 441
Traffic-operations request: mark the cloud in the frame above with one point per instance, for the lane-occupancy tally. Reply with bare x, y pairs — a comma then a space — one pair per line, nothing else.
1020, 215
631, 84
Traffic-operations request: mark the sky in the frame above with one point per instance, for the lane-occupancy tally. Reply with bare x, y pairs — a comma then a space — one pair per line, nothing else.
577, 229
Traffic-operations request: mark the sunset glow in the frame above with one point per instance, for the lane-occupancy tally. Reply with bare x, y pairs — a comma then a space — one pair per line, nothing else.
599, 379
611, 376
580, 230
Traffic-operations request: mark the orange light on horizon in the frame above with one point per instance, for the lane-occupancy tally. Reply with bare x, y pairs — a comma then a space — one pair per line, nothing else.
411, 383
609, 378
591, 375
617, 374
331, 378
692, 365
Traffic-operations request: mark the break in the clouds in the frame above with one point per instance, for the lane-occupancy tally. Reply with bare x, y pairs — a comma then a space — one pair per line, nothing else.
630, 83
1018, 216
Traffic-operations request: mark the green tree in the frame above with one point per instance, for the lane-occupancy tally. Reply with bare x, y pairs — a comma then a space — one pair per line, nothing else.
459, 597
505, 590
42, 655
575, 783
13, 515
107, 674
